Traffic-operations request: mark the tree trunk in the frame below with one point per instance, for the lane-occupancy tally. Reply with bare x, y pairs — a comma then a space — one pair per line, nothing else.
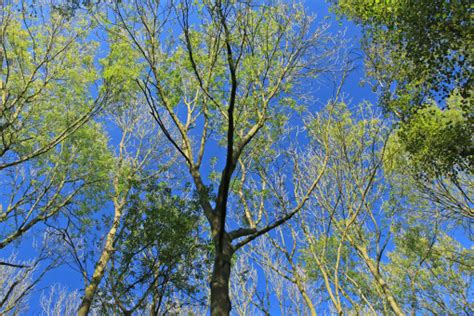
301, 287
101, 264
306, 297
397, 310
220, 295
309, 303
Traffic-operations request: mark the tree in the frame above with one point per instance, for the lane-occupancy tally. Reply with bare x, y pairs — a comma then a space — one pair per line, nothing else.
142, 158
16, 280
424, 44
429, 151
419, 55
41, 55
138, 149
59, 301
162, 145
363, 224
330, 249
50, 154
59, 181
229, 77
160, 259
135, 197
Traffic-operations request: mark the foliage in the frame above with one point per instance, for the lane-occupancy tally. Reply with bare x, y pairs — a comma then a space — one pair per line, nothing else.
438, 142
417, 52
433, 151
52, 157
157, 251
152, 140
46, 83
432, 38
369, 243
431, 271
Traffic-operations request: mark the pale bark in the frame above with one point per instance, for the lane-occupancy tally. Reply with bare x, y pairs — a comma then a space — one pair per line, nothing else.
304, 294
101, 265
380, 281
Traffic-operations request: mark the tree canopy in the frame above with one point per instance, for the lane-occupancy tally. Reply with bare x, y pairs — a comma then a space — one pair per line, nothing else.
186, 157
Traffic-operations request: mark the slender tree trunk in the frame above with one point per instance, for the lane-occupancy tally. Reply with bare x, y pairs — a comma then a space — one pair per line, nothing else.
220, 295
2, 88
305, 295
381, 282
153, 308
102, 263
308, 302
327, 283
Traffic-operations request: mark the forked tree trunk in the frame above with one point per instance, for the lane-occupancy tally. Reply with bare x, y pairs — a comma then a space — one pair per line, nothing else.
220, 295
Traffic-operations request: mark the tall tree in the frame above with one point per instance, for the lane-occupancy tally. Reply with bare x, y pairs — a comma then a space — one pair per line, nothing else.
138, 148
223, 72
419, 56
363, 226
47, 68
141, 157
50, 154
160, 259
